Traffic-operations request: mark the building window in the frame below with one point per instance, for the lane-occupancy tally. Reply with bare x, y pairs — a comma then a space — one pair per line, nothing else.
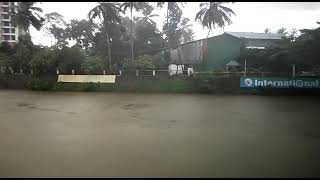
5, 30
6, 37
5, 3
13, 38
5, 23
13, 30
5, 16
5, 9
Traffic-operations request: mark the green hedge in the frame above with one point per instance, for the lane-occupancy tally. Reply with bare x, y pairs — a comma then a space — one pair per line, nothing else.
159, 86
83, 87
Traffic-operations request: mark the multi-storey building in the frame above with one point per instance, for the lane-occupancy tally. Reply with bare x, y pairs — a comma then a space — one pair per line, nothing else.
8, 32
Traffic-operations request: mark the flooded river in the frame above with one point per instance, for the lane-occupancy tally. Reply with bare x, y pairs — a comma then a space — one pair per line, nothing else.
78, 134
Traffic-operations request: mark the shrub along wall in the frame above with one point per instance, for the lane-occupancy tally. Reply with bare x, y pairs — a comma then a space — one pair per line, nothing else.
198, 84
123, 84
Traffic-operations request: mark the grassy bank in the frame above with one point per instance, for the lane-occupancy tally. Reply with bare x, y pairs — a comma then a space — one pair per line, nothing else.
158, 86
207, 84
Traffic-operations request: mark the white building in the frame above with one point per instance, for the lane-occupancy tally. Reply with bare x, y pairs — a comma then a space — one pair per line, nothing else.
8, 32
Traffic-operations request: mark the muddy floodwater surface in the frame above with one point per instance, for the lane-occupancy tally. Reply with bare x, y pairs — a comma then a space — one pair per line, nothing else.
79, 134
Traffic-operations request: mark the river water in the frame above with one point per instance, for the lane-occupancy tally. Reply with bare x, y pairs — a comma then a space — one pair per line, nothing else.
87, 134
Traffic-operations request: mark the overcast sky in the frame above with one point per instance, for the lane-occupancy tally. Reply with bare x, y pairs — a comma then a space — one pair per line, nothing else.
250, 16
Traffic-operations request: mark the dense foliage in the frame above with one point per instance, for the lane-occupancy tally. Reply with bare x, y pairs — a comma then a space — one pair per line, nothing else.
302, 51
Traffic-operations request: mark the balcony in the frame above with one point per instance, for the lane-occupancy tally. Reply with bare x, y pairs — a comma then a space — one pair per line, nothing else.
5, 24
5, 16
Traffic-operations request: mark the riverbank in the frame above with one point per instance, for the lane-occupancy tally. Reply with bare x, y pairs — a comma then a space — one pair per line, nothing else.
148, 84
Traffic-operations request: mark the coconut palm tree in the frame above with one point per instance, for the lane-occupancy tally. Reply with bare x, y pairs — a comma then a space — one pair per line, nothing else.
25, 15
171, 6
138, 6
109, 13
147, 16
214, 14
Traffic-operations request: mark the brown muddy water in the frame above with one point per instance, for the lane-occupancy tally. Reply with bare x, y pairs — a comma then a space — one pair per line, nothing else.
78, 134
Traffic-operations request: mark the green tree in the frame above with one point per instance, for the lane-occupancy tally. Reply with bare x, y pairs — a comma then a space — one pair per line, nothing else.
214, 14
109, 13
174, 13
186, 32
22, 57
45, 61
138, 6
143, 62
267, 30
148, 37
55, 26
147, 15
8, 49
71, 59
94, 65
302, 50
60, 35
82, 31
27, 14
282, 31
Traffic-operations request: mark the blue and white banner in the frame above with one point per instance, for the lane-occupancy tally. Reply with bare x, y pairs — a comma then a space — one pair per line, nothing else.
275, 82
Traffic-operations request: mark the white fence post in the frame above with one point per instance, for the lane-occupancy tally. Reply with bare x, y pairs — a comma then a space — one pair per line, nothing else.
72, 71
58, 71
104, 72
120, 72
154, 73
137, 73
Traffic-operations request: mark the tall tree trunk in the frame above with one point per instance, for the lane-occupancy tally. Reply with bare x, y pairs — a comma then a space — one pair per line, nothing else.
208, 33
168, 27
109, 51
132, 55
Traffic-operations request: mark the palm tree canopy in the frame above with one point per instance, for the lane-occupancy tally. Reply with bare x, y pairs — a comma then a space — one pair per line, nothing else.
171, 5
108, 12
147, 16
138, 6
214, 14
26, 15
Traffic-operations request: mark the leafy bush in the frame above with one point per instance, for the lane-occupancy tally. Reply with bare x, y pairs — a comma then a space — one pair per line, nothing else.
159, 61
40, 85
5, 60
94, 65
144, 62
210, 83
7, 49
204, 83
71, 58
83, 87
45, 61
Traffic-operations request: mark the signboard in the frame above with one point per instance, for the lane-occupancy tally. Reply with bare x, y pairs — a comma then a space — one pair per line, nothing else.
276, 82
87, 78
